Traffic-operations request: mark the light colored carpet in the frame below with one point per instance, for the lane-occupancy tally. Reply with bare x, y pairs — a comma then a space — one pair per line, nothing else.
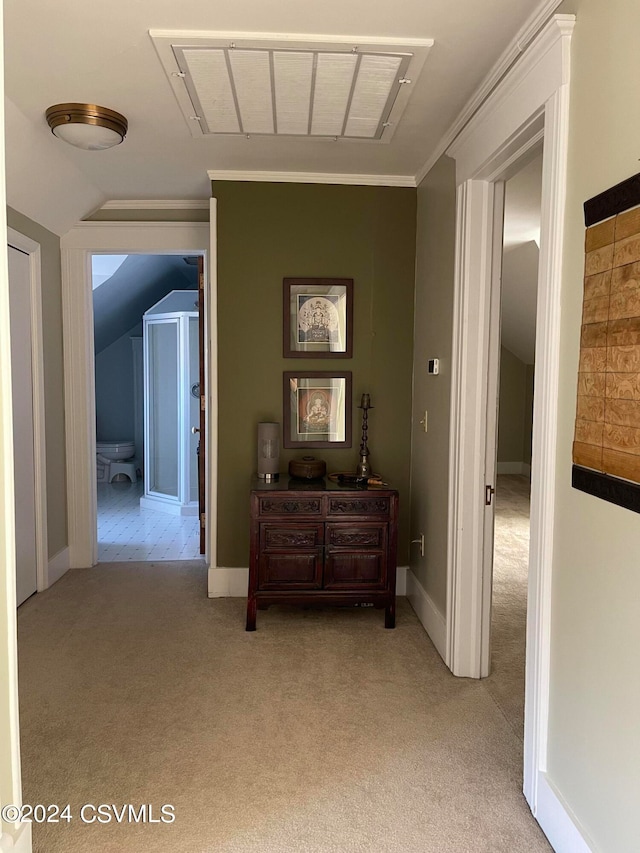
320, 732
509, 601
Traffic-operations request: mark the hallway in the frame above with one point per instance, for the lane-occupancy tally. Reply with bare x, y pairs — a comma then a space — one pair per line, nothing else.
320, 732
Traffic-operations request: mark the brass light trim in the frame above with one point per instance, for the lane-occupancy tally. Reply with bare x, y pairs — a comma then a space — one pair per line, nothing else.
89, 114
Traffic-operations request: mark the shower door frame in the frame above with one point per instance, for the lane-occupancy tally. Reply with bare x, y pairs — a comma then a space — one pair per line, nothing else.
175, 505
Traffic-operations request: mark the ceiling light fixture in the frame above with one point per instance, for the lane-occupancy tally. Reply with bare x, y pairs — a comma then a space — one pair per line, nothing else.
87, 126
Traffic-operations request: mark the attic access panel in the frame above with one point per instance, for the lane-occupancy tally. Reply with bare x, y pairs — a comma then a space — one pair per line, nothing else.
299, 86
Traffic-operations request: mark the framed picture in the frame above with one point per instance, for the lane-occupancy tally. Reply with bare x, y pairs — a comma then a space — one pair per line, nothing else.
318, 318
317, 409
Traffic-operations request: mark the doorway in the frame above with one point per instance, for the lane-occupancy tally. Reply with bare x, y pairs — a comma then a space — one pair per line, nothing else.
147, 393
529, 106
511, 534
194, 238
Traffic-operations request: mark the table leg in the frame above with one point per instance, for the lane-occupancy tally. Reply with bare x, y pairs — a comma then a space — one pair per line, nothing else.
251, 614
390, 615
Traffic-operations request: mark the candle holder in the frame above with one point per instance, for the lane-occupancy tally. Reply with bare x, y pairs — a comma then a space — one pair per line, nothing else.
363, 468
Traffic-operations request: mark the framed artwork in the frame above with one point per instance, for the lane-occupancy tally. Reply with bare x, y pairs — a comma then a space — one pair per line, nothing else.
317, 409
606, 446
318, 318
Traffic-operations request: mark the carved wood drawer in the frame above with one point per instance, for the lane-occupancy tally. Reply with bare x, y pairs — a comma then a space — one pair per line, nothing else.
367, 505
278, 536
357, 536
290, 506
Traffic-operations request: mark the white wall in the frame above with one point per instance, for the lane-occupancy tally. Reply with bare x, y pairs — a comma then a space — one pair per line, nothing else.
511, 410
594, 734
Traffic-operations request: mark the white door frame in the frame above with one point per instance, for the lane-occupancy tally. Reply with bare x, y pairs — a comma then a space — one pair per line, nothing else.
77, 246
530, 103
32, 249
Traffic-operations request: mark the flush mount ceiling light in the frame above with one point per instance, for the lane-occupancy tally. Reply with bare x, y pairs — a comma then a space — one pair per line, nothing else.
303, 86
87, 126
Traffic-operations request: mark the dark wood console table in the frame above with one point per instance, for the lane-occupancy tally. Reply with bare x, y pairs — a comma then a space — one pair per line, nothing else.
323, 543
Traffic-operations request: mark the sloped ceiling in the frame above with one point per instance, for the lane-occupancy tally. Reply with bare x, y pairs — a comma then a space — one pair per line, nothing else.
140, 282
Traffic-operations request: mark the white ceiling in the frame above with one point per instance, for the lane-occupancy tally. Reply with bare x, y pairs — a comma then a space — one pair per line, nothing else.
75, 50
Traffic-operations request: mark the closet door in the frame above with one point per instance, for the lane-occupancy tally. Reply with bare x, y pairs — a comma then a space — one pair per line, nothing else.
22, 394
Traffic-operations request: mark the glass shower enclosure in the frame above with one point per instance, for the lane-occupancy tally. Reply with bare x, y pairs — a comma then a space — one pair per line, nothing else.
171, 404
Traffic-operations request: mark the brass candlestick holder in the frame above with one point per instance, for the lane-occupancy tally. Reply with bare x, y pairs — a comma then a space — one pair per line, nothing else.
363, 468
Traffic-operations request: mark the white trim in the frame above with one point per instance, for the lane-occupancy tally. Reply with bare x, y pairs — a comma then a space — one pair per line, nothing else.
514, 468
544, 438
467, 449
10, 773
157, 204
101, 236
18, 843
558, 822
211, 381
32, 249
234, 582
293, 38
524, 36
228, 582
506, 124
401, 580
431, 618
77, 246
312, 178
59, 564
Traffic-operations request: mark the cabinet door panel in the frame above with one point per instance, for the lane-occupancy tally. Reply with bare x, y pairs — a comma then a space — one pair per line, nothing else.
359, 535
290, 570
355, 569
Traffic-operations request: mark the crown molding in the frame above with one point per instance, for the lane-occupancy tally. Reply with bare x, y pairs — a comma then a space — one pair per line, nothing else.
157, 204
295, 38
313, 178
516, 47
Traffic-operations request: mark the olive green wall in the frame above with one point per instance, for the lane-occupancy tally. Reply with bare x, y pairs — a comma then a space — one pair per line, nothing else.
270, 231
53, 376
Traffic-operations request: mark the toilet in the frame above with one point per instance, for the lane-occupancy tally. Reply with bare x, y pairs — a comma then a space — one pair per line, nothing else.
114, 458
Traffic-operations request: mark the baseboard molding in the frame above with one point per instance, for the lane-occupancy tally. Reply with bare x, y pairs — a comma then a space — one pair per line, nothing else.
58, 565
558, 823
19, 843
228, 583
234, 582
432, 619
401, 580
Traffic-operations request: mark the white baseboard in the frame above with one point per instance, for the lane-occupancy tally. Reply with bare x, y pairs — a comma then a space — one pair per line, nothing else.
228, 583
234, 582
557, 821
433, 621
401, 580
526, 470
58, 565
19, 843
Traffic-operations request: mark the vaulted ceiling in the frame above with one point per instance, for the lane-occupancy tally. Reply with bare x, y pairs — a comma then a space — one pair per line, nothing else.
103, 53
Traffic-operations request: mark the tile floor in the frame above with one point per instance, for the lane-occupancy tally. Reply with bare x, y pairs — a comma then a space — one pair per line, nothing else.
127, 532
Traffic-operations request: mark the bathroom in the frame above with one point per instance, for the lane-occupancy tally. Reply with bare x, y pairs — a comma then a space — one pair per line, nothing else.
131, 527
